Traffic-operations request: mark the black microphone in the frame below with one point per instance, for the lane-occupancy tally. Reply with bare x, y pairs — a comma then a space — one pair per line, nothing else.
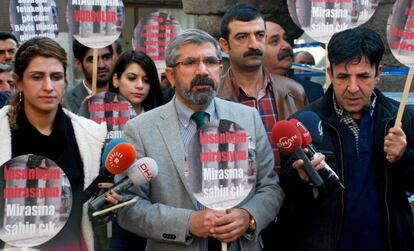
313, 126
288, 139
142, 171
117, 156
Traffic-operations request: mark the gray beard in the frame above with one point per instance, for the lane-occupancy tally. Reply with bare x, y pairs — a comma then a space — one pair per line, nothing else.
201, 97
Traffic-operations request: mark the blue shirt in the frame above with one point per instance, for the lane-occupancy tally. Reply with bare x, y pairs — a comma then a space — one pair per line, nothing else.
363, 227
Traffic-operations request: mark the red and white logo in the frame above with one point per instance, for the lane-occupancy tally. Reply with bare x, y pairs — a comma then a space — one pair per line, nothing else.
286, 142
146, 171
115, 159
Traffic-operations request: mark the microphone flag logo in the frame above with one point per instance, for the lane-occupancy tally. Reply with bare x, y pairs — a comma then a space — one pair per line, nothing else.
115, 159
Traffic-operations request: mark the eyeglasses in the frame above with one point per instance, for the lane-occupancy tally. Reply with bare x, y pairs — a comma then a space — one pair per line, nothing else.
192, 63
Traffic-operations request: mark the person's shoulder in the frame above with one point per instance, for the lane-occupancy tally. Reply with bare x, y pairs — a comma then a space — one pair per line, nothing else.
288, 84
88, 125
4, 110
233, 106
389, 105
150, 117
157, 111
75, 89
310, 84
236, 112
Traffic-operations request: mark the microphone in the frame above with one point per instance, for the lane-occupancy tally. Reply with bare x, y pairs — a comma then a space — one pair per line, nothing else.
311, 122
117, 156
289, 140
141, 171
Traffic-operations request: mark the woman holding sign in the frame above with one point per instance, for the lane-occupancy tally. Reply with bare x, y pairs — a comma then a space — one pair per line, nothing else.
135, 77
36, 123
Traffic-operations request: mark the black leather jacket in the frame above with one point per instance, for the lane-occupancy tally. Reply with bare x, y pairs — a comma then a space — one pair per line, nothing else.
315, 224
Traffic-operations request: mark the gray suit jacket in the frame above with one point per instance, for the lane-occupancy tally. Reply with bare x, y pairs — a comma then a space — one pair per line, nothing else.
164, 206
75, 96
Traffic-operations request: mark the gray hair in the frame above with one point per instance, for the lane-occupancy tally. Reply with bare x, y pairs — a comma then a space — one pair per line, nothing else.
189, 36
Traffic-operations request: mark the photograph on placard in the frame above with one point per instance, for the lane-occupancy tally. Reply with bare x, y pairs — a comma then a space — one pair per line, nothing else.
400, 30
36, 18
320, 19
222, 168
36, 200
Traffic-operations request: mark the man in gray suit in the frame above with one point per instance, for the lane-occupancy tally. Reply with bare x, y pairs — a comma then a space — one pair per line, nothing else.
167, 213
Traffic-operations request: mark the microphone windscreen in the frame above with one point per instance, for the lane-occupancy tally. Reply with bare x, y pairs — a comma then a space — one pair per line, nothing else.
314, 125
120, 157
306, 136
286, 136
111, 144
142, 171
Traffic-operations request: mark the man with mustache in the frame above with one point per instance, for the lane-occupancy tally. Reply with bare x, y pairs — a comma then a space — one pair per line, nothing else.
278, 57
243, 36
84, 62
373, 158
166, 212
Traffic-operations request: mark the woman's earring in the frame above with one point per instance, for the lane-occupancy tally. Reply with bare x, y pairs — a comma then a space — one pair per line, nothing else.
20, 97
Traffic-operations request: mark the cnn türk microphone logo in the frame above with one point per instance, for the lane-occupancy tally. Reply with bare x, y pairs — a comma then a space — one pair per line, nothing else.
286, 142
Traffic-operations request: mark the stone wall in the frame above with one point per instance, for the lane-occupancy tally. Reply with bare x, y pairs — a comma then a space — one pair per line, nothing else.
209, 14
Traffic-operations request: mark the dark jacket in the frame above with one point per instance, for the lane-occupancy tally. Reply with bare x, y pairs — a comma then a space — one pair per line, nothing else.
315, 224
312, 89
75, 97
4, 97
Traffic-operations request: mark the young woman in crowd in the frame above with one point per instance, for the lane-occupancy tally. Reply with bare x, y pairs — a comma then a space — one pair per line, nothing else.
36, 123
135, 77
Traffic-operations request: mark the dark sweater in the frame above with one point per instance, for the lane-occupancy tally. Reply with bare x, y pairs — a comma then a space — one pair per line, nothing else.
61, 147
362, 227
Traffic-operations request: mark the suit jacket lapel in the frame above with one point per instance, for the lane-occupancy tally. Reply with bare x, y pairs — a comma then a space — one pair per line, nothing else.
222, 110
169, 129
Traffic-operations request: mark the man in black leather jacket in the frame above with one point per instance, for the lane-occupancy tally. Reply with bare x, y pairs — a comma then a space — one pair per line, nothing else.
374, 160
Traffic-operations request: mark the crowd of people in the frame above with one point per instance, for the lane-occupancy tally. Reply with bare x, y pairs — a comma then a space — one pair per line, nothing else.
373, 158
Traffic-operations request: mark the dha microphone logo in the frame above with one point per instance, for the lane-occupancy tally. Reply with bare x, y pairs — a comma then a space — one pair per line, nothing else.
286, 142
115, 159
146, 171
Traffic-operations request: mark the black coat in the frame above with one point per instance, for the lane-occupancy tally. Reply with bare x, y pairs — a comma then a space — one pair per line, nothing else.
315, 224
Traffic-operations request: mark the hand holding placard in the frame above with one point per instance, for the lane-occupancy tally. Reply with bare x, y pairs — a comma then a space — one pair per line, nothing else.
399, 29
222, 172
